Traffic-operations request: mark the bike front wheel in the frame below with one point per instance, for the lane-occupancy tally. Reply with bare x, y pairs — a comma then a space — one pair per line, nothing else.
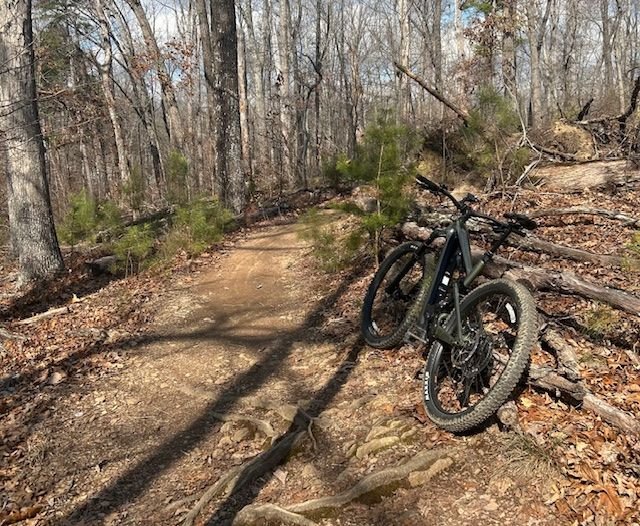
463, 385
392, 303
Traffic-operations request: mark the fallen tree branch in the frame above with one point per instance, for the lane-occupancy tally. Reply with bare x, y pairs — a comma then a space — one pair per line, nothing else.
549, 151
8, 335
549, 380
534, 244
43, 315
565, 355
464, 116
543, 279
586, 210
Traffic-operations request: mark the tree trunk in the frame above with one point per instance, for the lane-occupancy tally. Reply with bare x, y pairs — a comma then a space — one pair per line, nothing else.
261, 160
143, 106
109, 93
228, 154
244, 107
22, 153
286, 99
606, 47
509, 71
536, 30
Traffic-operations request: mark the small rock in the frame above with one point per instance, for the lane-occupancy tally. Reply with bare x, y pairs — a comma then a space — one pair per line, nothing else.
492, 505
57, 377
281, 475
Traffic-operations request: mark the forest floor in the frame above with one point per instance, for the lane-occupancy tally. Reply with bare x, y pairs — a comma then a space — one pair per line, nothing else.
130, 404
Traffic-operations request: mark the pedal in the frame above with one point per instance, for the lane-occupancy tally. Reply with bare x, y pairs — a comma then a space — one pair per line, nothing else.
416, 333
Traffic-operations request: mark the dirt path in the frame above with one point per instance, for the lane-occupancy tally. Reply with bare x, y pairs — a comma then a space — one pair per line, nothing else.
236, 353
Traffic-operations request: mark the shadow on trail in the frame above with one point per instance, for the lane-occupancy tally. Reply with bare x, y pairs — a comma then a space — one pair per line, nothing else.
227, 511
133, 483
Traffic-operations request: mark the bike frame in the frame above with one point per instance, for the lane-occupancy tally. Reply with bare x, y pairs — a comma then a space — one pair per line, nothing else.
456, 253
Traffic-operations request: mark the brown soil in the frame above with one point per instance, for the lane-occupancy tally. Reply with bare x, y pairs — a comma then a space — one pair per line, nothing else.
249, 337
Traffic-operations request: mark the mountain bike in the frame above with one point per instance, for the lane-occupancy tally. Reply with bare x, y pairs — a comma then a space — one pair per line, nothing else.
480, 338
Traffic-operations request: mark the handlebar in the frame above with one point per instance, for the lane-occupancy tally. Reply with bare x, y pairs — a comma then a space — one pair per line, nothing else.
436, 188
516, 222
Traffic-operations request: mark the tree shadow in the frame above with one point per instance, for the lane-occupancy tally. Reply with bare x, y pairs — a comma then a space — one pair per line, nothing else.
57, 291
133, 483
241, 496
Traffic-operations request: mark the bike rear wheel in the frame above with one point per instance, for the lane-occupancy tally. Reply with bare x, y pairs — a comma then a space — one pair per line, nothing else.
464, 385
392, 303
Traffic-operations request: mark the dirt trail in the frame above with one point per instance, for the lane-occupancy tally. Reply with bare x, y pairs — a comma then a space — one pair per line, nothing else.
233, 353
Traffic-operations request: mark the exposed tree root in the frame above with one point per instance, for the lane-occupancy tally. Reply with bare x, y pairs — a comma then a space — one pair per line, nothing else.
255, 514
261, 425
238, 477
430, 463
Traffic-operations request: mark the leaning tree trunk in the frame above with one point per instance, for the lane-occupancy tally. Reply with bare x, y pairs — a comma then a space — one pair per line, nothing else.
22, 153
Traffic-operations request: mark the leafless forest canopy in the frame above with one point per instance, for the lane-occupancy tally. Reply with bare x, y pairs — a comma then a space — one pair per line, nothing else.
130, 101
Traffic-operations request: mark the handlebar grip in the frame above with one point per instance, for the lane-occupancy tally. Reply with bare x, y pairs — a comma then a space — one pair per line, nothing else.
427, 184
522, 220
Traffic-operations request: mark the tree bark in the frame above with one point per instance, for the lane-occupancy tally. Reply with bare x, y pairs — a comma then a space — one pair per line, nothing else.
22, 152
536, 31
228, 152
598, 174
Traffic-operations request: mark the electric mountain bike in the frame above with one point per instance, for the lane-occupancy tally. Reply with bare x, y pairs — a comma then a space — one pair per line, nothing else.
480, 338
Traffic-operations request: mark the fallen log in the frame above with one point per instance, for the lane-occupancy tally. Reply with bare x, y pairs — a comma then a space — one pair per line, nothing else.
563, 282
43, 315
531, 243
595, 174
534, 244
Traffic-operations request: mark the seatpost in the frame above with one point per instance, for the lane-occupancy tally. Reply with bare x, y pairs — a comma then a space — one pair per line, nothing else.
486, 257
